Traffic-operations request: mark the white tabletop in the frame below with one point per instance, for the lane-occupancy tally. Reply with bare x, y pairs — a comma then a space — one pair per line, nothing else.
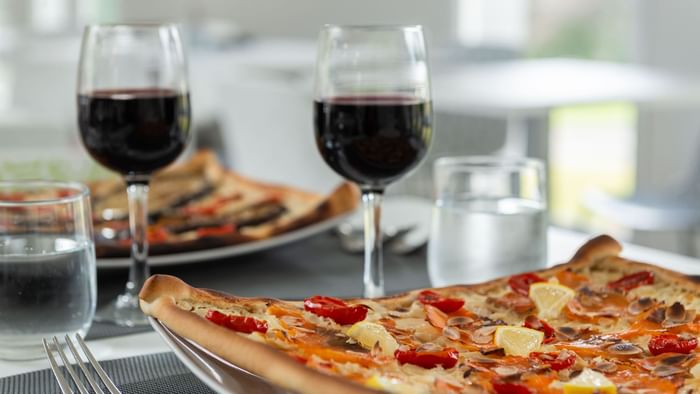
562, 245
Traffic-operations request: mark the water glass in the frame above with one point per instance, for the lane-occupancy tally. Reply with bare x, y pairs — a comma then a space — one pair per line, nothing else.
47, 264
489, 219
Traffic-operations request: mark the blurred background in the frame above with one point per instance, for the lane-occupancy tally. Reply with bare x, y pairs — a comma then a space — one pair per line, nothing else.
606, 91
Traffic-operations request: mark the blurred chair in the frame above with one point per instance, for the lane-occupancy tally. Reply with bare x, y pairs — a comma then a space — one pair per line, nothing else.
668, 211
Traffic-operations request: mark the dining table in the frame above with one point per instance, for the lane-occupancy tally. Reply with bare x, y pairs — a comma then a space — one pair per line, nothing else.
139, 361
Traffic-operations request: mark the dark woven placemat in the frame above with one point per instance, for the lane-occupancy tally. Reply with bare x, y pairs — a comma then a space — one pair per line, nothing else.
153, 373
107, 330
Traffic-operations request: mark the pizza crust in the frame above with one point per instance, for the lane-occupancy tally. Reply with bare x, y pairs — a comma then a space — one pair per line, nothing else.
158, 299
160, 293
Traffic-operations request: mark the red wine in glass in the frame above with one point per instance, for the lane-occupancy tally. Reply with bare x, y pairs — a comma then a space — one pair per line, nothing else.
373, 140
373, 116
134, 118
134, 131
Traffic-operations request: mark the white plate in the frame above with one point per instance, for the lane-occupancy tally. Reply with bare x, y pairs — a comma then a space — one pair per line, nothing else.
228, 251
217, 373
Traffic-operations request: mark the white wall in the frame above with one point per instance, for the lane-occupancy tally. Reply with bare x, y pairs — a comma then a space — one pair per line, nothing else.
302, 18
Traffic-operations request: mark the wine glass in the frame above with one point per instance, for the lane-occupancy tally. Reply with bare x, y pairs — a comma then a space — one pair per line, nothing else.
373, 116
134, 118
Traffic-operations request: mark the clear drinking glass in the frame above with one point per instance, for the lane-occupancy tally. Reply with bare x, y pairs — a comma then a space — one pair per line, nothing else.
134, 118
373, 116
489, 219
47, 264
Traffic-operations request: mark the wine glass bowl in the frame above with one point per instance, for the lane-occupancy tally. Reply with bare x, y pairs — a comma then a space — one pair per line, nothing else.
134, 118
372, 116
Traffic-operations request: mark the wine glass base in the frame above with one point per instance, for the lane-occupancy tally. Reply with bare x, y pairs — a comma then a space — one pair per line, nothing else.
124, 311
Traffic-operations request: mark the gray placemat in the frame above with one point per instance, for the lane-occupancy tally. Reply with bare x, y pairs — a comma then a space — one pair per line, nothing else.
106, 330
153, 373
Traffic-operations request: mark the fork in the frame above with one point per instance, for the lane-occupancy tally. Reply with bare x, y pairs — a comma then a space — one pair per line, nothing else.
63, 383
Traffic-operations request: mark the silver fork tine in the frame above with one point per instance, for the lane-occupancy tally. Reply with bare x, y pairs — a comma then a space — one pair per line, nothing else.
79, 361
103, 375
69, 368
62, 383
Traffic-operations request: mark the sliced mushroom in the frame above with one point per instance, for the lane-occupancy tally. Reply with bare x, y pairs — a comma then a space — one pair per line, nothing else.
675, 312
601, 365
676, 359
483, 335
667, 370
624, 349
487, 321
676, 315
588, 297
657, 316
507, 371
640, 305
451, 333
567, 333
428, 347
490, 349
459, 321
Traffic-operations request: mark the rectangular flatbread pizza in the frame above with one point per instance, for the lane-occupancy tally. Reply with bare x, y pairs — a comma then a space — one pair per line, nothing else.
597, 324
199, 204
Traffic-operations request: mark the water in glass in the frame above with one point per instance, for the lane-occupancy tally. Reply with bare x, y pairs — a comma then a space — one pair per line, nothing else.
473, 240
47, 289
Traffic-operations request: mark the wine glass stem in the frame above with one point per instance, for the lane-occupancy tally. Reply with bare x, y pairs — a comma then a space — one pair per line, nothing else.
138, 225
374, 266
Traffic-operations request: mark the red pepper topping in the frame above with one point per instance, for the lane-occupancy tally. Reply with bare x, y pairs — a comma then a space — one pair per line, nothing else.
521, 283
212, 207
556, 361
335, 309
629, 282
237, 323
501, 387
447, 357
540, 325
156, 234
447, 305
672, 343
215, 231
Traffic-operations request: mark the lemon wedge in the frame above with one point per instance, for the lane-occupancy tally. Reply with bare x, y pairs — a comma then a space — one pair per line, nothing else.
590, 382
518, 341
367, 334
550, 298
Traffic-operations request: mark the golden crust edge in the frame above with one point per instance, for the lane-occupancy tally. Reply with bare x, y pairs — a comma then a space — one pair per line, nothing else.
158, 299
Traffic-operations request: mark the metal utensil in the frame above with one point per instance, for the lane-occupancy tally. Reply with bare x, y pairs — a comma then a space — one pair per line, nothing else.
352, 237
60, 377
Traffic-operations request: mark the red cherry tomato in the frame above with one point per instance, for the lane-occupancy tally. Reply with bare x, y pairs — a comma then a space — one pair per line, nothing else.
672, 343
447, 305
215, 231
540, 325
521, 283
629, 282
447, 357
555, 360
501, 387
237, 323
335, 309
